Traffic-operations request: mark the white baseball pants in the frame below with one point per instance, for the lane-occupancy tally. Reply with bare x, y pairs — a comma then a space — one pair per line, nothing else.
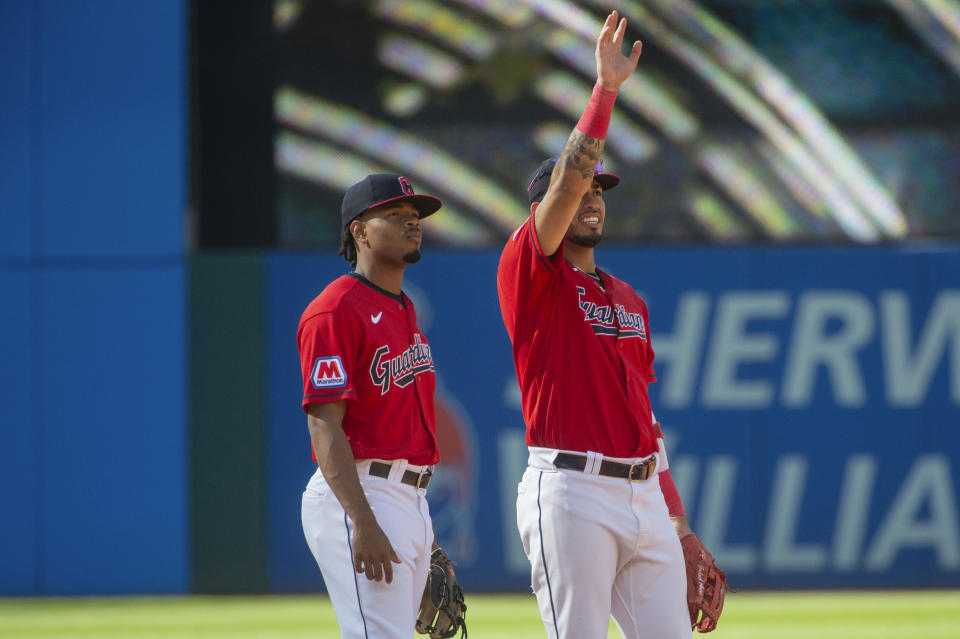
600, 547
368, 609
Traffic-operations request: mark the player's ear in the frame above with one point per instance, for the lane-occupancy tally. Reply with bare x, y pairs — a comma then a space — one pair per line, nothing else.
533, 207
358, 231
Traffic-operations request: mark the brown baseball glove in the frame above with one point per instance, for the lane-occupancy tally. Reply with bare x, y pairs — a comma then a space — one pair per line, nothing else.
442, 609
706, 585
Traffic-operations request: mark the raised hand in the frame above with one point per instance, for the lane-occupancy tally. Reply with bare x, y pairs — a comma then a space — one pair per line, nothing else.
613, 68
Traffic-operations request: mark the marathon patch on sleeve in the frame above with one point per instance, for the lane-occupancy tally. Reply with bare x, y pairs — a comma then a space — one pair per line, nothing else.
328, 372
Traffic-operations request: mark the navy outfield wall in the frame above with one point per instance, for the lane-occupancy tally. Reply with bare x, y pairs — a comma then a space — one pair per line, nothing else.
810, 397
92, 297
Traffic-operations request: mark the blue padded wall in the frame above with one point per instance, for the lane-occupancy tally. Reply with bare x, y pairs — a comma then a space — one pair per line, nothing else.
112, 108
93, 477
19, 481
113, 429
17, 128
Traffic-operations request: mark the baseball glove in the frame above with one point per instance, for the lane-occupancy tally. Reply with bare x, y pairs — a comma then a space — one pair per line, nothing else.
442, 609
706, 585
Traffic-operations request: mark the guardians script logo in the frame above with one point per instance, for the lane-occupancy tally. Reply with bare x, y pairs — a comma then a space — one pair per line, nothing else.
400, 370
611, 321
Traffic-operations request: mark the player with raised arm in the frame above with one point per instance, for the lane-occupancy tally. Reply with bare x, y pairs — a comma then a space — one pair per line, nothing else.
368, 391
599, 516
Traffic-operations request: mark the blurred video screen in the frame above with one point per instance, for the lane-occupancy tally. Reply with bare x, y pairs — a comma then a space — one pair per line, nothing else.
805, 121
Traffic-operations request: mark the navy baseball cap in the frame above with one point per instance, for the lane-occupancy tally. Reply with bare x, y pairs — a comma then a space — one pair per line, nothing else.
541, 179
381, 188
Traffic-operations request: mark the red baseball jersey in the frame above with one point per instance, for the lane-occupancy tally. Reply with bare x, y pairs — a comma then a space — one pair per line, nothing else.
361, 344
583, 354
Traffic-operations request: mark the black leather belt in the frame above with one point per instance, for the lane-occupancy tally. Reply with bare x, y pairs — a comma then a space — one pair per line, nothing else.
417, 480
633, 472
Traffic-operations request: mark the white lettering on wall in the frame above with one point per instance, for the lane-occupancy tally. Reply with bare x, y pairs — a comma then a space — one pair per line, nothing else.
856, 491
908, 375
827, 334
811, 347
780, 552
929, 482
732, 345
682, 349
714, 514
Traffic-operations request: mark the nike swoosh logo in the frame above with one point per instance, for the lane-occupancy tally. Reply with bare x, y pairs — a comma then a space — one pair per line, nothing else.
376, 318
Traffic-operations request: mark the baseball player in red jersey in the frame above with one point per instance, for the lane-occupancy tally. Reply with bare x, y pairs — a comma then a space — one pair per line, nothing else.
368, 386
598, 513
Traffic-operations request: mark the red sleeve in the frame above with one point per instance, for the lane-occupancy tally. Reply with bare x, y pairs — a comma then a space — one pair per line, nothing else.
670, 494
523, 272
328, 352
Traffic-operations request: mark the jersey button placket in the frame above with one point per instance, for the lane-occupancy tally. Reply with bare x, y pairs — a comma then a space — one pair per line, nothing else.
621, 344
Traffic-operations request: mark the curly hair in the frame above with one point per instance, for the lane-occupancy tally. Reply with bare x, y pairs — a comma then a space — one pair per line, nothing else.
348, 247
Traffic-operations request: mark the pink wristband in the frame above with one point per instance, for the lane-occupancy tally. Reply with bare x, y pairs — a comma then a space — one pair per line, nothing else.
596, 117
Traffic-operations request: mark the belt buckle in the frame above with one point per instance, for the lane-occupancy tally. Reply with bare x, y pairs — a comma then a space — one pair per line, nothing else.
425, 472
640, 464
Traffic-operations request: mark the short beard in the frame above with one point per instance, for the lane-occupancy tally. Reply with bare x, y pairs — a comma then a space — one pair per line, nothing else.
586, 241
412, 257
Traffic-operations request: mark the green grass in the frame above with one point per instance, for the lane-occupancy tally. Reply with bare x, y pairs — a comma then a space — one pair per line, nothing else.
806, 615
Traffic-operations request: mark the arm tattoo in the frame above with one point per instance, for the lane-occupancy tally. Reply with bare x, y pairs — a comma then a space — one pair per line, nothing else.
581, 153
